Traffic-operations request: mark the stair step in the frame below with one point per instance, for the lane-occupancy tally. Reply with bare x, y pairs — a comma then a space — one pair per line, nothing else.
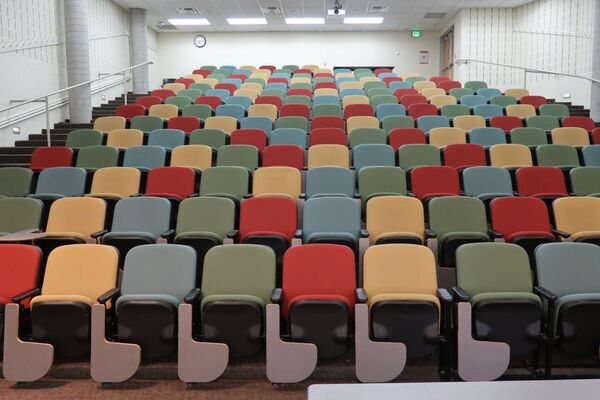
15, 158
38, 143
17, 150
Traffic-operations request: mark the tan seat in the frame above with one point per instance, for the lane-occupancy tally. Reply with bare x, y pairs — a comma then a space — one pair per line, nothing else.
251, 68
300, 80
422, 85
115, 182
210, 82
517, 93
326, 92
252, 85
441, 137
193, 155
328, 155
361, 122
350, 85
195, 78
344, 75
570, 136
354, 99
125, 138
250, 93
164, 111
277, 181
405, 75
520, 110
395, 218
365, 79
510, 156
322, 71
226, 124
312, 67
442, 100
469, 122
265, 72
263, 110
431, 92
76, 217
578, 216
175, 87
107, 124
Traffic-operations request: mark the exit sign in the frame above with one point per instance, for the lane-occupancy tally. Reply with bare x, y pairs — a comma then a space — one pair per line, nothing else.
416, 33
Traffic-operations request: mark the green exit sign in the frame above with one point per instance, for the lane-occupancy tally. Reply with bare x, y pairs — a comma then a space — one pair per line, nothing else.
415, 33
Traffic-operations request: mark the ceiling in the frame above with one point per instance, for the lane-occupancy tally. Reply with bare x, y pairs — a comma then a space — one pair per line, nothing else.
401, 14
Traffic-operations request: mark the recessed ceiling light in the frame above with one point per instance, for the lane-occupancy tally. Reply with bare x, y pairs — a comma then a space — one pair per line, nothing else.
188, 21
332, 12
363, 20
246, 21
304, 21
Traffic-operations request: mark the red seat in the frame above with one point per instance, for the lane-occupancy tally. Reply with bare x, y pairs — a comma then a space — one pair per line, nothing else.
269, 67
399, 93
438, 79
19, 272
328, 136
276, 101
283, 155
265, 219
464, 155
579, 122
212, 101
358, 110
390, 79
278, 80
162, 93
318, 296
295, 110
327, 121
252, 137
541, 182
172, 182
323, 75
506, 123
325, 85
302, 71
449, 85
401, 136
47, 157
535, 101
419, 110
299, 92
381, 71
241, 77
434, 181
148, 101
410, 99
186, 81
227, 86
186, 124
203, 72
128, 111
596, 136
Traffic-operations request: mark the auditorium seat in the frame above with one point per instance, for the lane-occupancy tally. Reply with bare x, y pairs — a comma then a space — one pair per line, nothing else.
510, 156
429, 122
173, 183
358, 110
570, 136
389, 109
475, 85
115, 182
288, 136
251, 137
396, 121
47, 157
180, 101
460, 92
147, 123
167, 138
517, 93
415, 155
472, 100
488, 111
164, 111
295, 110
107, 124
58, 182
578, 217
454, 110
441, 100
231, 110
125, 138
585, 181
329, 182
395, 219
324, 155
520, 110
226, 124
148, 101
503, 101
92, 158
506, 123
421, 109
441, 137
15, 181
547, 183
487, 137
488, 93
544, 122
468, 122
400, 136
145, 158
464, 155
535, 101
211, 101
434, 181
277, 181
361, 136
79, 138
228, 182
579, 122
292, 122
264, 110
448, 85
376, 181
239, 155
528, 136
193, 94
20, 214
195, 156
557, 155
283, 155
214, 138
487, 183
554, 110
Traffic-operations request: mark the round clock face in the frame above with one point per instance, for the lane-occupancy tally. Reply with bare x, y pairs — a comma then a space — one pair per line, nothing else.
200, 41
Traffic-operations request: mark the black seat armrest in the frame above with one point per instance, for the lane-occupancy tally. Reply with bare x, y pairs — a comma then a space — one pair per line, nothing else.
562, 234
411, 194
26, 295
357, 195
233, 234
364, 233
495, 234
361, 295
109, 295
137, 195
302, 196
193, 195
276, 296
248, 196
444, 295
168, 234
460, 294
429, 234
192, 296
298, 234
98, 234
545, 293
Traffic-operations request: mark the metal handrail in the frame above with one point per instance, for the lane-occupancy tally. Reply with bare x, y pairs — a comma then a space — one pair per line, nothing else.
525, 69
44, 98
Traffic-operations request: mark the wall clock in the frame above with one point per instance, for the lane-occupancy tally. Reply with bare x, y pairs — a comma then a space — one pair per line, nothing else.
200, 41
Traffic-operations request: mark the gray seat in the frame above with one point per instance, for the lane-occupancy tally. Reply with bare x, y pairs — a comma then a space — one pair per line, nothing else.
332, 220
329, 181
58, 182
487, 137
373, 155
145, 158
288, 136
167, 138
487, 183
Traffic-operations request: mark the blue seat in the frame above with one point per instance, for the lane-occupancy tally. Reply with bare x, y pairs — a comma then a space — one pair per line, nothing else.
373, 155
386, 110
472, 100
387, 75
223, 94
235, 81
167, 138
487, 183
352, 92
57, 182
277, 86
488, 110
428, 122
145, 158
332, 220
487, 137
281, 75
395, 85
231, 110
488, 93
326, 100
344, 79
243, 101
263, 123
329, 182
591, 155
288, 136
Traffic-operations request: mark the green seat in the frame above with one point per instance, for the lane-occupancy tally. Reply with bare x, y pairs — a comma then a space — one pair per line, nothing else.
413, 79
396, 121
201, 111
367, 136
554, 110
15, 181
146, 123
528, 136
238, 155
200, 86
475, 85
557, 155
228, 182
456, 220
498, 279
460, 92
297, 99
211, 68
179, 101
19, 214
237, 280
503, 101
454, 110
383, 99
84, 137
191, 93
321, 110
381, 181
216, 76
585, 181
374, 85
301, 86
378, 91
96, 157
289, 68
215, 138
223, 71
292, 122
416, 155
273, 92
544, 122
256, 80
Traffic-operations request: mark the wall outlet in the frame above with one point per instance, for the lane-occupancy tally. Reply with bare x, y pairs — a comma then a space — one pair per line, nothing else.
103, 97
16, 130
566, 95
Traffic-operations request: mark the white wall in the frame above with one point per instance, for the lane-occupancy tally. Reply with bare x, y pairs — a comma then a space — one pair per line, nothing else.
178, 55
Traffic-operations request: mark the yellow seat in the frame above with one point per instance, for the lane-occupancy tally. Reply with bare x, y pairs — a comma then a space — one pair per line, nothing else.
440, 137
469, 122
193, 155
422, 85
264, 72
264, 76
520, 110
354, 99
395, 217
322, 71
252, 85
442, 100
365, 79
578, 216
250, 68
195, 78
76, 217
510, 156
263, 110
326, 92
361, 122
165, 111
350, 85
517, 93
300, 80
312, 67
328, 155
226, 124
107, 124
175, 87
210, 82
431, 92
79, 273
570, 136
125, 138
344, 75
405, 75
251, 93
115, 182
278, 181
400, 272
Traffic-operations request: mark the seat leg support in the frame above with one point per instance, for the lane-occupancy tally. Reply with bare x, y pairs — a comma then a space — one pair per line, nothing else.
478, 360
23, 361
198, 362
110, 362
287, 362
375, 361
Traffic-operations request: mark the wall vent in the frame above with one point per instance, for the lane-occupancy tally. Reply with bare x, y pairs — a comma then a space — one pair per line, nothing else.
378, 9
271, 10
434, 15
188, 11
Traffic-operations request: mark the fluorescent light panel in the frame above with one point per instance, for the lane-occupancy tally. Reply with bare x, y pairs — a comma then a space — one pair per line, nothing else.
365, 20
188, 21
246, 21
305, 21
